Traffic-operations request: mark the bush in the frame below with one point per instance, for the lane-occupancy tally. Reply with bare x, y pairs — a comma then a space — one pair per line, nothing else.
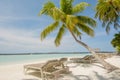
116, 42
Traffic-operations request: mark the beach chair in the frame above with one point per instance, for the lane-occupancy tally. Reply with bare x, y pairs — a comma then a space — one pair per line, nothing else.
38, 67
86, 59
55, 69
50, 69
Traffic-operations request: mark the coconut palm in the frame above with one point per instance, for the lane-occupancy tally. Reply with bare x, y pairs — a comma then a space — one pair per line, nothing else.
108, 11
65, 19
116, 42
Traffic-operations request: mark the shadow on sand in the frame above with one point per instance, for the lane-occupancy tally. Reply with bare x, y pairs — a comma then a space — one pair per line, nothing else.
75, 77
113, 76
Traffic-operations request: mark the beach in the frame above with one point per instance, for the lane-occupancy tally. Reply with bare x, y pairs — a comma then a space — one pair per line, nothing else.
80, 71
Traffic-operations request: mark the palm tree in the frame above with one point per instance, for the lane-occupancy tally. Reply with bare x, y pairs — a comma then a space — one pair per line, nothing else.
108, 11
116, 42
65, 19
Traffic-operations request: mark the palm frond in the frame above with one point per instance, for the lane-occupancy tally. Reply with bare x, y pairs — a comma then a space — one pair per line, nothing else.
47, 8
86, 29
84, 19
80, 21
66, 6
108, 27
108, 12
87, 20
116, 6
116, 25
103, 24
60, 35
57, 14
70, 22
101, 10
50, 9
49, 29
76, 32
79, 7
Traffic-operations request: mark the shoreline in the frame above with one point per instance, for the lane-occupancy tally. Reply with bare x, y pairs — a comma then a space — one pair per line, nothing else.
55, 53
13, 59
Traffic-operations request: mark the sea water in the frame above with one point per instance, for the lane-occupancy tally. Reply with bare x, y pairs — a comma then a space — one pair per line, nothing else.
9, 59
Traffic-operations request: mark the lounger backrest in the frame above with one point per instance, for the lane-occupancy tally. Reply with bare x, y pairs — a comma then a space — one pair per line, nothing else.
49, 66
62, 61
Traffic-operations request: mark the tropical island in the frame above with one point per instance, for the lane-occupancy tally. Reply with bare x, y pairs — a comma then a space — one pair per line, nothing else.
66, 19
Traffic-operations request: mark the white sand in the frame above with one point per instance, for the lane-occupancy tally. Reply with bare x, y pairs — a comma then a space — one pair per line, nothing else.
79, 71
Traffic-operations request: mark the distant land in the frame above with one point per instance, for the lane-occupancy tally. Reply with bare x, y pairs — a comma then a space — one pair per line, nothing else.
54, 53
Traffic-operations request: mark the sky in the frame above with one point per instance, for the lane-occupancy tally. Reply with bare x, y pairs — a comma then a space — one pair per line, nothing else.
20, 28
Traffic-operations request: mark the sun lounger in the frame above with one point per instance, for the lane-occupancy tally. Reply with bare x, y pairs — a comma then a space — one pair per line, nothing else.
86, 59
36, 68
51, 68
55, 72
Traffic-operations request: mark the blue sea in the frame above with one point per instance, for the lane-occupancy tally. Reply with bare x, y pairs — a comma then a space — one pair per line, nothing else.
9, 59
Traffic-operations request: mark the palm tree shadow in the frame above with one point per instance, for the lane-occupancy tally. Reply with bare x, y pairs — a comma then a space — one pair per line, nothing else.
112, 77
99, 77
81, 64
99, 66
82, 77
86, 65
115, 75
77, 77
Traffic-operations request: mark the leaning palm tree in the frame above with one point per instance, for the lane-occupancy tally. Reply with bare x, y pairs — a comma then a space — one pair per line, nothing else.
65, 19
108, 11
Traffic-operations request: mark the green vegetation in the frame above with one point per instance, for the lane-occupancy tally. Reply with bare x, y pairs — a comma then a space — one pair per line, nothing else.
108, 11
65, 20
116, 42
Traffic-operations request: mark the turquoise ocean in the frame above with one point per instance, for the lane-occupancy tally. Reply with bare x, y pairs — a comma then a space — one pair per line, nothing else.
11, 59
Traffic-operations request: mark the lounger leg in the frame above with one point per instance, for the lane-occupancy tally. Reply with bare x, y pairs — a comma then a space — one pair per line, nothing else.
43, 76
25, 71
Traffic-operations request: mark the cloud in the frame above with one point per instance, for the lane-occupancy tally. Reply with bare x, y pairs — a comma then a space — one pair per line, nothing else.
14, 18
19, 40
22, 41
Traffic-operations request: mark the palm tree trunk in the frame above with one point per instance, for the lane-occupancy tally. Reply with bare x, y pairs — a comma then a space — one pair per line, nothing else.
106, 65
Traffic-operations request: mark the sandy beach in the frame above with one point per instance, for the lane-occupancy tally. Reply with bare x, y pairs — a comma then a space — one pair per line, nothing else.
93, 71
